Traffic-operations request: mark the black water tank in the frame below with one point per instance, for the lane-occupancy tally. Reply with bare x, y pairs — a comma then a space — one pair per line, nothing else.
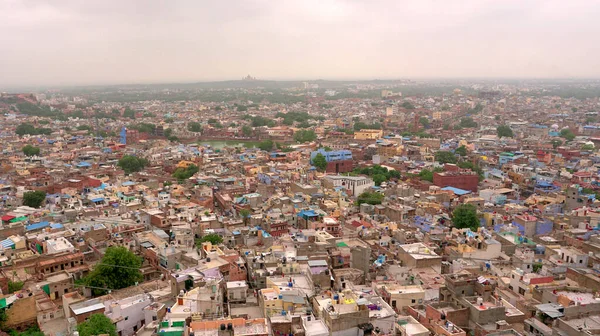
222, 326
229, 326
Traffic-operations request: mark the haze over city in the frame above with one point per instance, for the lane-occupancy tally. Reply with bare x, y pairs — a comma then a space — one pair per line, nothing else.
118, 42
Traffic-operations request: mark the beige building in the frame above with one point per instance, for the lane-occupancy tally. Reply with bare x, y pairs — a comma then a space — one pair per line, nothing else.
368, 134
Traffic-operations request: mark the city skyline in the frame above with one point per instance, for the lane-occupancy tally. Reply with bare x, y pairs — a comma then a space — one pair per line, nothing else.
70, 43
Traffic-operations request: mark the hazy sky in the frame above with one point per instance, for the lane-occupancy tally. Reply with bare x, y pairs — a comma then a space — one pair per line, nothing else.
55, 42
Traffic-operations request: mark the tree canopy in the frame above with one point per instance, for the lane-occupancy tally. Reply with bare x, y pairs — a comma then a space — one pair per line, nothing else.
27, 128
556, 142
119, 268
320, 162
246, 130
465, 216
504, 131
97, 324
213, 238
567, 134
445, 157
462, 151
424, 121
131, 164
305, 136
185, 173
30, 150
378, 173
195, 127
467, 122
34, 199
372, 198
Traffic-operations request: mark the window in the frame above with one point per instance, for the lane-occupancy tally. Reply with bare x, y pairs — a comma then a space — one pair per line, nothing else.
413, 301
126, 318
394, 303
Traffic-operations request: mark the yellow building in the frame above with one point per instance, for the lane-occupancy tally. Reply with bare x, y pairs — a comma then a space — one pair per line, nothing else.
184, 164
368, 134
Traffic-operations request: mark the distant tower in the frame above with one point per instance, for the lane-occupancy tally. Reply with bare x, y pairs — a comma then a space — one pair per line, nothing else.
123, 136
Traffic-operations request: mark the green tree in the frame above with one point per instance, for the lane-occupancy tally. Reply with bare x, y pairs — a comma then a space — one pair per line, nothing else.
587, 147
424, 121
97, 324
467, 122
305, 136
426, 175
34, 199
504, 131
408, 105
30, 150
131, 164
212, 121
556, 143
78, 114
266, 145
242, 108
320, 162
185, 173
27, 128
194, 127
465, 216
119, 268
129, 113
247, 130
445, 157
245, 214
14, 286
372, 198
379, 178
567, 134
462, 151
213, 238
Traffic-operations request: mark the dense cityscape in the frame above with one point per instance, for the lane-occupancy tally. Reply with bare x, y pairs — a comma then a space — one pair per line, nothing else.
255, 207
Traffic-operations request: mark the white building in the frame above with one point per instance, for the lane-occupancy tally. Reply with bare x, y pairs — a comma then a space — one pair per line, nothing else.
128, 313
356, 184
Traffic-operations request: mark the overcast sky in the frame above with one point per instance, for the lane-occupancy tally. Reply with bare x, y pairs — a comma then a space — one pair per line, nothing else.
55, 42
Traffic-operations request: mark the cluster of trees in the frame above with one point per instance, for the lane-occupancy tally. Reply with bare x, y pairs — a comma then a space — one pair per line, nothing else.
556, 143
247, 130
445, 157
215, 123
473, 167
185, 173
27, 128
408, 105
258, 121
467, 122
361, 125
419, 134
30, 150
131, 164
427, 175
194, 126
119, 268
378, 173
424, 121
504, 131
36, 110
478, 108
267, 146
372, 198
97, 324
213, 238
567, 134
34, 199
320, 162
462, 151
305, 136
144, 127
300, 117
465, 216
129, 113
